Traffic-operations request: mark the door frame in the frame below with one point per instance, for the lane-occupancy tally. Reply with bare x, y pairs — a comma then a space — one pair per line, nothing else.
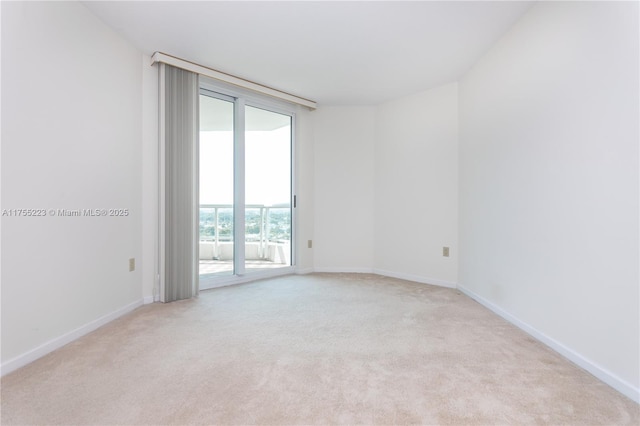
242, 98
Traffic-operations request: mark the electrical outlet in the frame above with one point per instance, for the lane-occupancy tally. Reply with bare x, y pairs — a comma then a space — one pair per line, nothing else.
445, 251
310, 244
132, 264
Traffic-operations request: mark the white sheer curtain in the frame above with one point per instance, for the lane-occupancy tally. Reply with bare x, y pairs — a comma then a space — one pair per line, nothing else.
178, 183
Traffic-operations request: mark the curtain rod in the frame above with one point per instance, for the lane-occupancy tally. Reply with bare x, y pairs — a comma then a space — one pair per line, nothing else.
228, 78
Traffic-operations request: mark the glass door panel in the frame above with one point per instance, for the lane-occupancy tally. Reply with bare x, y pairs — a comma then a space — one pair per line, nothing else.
267, 189
216, 187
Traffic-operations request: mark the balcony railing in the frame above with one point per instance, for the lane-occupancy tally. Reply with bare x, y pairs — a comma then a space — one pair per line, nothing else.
267, 232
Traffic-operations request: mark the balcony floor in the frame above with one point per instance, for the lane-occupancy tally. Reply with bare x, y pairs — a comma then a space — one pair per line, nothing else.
225, 267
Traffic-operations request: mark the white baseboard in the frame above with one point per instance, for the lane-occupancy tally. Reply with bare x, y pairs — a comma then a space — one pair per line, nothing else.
601, 373
147, 300
416, 278
402, 276
345, 270
58, 342
304, 271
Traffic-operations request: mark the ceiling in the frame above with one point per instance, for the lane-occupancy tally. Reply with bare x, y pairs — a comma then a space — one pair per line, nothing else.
335, 53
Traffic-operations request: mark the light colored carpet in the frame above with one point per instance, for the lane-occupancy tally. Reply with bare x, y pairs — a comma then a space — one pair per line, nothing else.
316, 349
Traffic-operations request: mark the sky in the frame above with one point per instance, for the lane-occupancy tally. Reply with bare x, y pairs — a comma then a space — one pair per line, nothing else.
267, 167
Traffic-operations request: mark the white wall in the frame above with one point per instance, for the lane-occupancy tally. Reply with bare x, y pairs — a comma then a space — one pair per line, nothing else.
343, 190
549, 182
416, 186
71, 139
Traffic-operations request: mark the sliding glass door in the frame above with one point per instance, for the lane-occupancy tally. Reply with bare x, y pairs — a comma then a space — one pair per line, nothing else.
246, 213
267, 189
216, 251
